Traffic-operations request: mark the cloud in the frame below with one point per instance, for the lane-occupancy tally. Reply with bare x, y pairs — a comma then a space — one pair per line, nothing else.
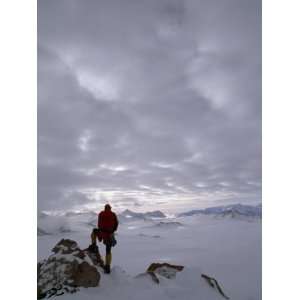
158, 94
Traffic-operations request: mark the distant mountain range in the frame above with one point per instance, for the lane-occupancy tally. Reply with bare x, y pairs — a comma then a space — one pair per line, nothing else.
77, 221
128, 214
227, 210
79, 214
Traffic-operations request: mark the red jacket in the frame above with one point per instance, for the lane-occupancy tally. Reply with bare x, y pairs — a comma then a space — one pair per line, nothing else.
107, 221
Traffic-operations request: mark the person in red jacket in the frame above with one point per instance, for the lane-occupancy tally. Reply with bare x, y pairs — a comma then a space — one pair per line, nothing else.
107, 225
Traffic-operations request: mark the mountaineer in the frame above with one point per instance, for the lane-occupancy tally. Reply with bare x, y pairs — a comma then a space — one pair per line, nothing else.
107, 225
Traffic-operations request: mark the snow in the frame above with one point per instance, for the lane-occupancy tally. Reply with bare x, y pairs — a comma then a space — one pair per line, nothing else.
232, 210
224, 248
118, 285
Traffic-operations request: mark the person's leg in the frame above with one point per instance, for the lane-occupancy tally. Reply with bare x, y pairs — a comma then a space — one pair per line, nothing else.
108, 257
93, 248
94, 236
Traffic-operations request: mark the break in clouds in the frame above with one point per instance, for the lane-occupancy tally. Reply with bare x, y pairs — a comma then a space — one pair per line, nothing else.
148, 103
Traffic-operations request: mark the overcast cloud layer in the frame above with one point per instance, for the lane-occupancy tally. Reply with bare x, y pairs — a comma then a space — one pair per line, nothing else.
148, 103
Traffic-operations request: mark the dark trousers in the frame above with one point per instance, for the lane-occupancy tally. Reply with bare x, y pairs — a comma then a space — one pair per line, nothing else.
96, 233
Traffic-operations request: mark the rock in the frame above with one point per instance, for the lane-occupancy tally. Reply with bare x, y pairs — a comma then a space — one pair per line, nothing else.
66, 246
161, 269
86, 275
66, 270
156, 266
214, 284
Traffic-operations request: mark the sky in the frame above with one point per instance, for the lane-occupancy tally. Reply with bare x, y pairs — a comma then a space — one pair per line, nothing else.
148, 104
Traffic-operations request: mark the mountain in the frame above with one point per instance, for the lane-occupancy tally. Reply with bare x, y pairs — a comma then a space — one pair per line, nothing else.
233, 210
41, 232
128, 214
42, 214
79, 214
154, 214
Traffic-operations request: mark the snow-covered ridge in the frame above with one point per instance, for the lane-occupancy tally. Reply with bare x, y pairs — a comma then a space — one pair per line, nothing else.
150, 214
83, 213
232, 210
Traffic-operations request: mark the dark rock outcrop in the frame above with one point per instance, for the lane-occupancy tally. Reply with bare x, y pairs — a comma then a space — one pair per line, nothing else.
67, 269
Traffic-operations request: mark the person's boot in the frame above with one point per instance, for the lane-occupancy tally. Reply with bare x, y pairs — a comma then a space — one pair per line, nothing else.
107, 269
108, 258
